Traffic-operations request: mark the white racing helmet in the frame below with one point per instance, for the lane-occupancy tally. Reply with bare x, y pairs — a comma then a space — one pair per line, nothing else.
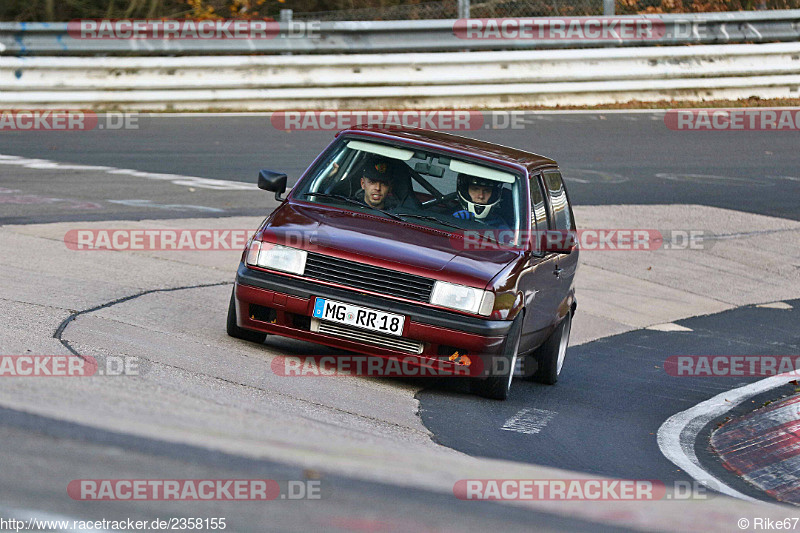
480, 211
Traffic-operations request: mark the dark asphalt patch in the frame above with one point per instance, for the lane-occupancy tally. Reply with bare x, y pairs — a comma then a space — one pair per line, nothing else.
612, 397
608, 159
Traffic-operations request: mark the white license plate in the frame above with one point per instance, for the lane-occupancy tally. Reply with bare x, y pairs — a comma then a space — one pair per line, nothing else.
360, 317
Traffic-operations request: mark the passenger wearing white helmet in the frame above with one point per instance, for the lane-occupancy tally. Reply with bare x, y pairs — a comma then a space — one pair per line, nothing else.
480, 200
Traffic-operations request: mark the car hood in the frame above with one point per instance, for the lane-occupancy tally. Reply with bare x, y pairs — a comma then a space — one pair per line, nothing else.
384, 242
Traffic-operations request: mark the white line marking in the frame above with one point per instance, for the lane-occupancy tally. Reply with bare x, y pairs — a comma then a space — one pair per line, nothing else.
669, 326
712, 179
739, 235
775, 305
676, 436
174, 207
177, 179
529, 421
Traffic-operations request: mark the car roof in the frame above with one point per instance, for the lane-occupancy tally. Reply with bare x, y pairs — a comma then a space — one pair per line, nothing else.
447, 140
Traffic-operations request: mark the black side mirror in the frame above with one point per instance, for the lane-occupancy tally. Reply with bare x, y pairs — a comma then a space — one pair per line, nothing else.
272, 181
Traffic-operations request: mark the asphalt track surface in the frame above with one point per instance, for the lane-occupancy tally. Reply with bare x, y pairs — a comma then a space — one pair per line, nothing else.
602, 416
612, 158
43, 455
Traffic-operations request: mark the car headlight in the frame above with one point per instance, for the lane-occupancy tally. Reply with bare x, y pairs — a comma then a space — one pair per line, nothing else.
462, 298
277, 257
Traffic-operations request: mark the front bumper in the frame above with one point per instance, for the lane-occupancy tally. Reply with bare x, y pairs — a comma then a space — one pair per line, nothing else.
293, 303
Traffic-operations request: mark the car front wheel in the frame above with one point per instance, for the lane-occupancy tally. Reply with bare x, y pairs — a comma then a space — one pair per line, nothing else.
240, 333
550, 355
497, 385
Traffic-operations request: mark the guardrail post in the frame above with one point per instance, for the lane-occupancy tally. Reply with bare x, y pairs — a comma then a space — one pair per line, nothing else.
286, 15
463, 9
608, 8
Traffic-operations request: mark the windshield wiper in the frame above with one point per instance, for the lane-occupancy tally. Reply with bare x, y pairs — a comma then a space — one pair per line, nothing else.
431, 218
352, 201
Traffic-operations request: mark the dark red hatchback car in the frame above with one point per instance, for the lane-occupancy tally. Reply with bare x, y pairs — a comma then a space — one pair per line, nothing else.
404, 243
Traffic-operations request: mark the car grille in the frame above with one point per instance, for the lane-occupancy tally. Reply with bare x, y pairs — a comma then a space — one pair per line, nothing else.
367, 337
367, 277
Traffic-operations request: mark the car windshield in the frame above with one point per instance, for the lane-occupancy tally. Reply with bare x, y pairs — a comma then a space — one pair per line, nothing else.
423, 187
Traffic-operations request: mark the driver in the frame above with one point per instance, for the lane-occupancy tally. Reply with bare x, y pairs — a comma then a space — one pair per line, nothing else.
376, 184
480, 200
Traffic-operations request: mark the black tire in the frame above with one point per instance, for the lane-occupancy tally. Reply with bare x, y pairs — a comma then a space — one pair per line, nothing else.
497, 386
240, 333
550, 356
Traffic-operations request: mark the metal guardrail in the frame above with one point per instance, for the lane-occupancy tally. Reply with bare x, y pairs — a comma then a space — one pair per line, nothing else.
491, 79
38, 39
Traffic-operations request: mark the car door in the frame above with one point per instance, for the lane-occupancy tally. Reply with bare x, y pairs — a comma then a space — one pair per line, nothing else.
563, 220
539, 282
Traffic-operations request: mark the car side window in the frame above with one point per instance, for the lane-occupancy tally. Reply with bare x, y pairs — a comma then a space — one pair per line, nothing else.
559, 203
538, 208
